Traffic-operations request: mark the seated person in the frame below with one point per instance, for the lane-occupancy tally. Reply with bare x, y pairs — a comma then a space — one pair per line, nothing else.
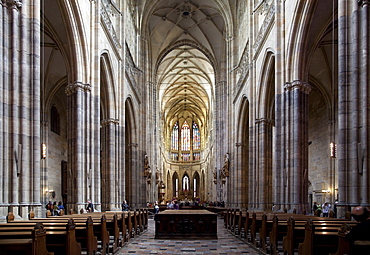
90, 206
60, 207
55, 209
125, 206
361, 231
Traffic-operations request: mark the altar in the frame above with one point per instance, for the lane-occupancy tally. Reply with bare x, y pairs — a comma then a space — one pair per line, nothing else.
186, 224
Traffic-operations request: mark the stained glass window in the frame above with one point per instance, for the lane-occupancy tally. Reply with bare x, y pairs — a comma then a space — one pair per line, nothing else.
176, 187
185, 137
196, 155
175, 137
185, 183
196, 137
174, 156
195, 187
185, 156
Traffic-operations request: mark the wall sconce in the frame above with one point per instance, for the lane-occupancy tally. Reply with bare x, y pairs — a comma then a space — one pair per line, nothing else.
333, 150
325, 191
43, 150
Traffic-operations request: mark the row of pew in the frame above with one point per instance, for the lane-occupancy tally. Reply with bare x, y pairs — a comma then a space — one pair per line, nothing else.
88, 233
290, 233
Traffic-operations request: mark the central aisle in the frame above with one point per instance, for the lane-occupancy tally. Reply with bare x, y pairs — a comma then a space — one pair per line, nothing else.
225, 244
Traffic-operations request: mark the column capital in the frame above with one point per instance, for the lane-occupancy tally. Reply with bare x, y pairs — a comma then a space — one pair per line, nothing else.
74, 87
133, 144
12, 4
109, 121
362, 3
265, 121
298, 84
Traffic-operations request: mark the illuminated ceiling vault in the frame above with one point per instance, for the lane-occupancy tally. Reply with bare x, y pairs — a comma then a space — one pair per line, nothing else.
187, 44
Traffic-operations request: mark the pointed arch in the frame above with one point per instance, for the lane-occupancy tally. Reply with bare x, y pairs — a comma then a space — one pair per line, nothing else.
131, 176
175, 185
267, 88
243, 172
107, 88
196, 185
76, 35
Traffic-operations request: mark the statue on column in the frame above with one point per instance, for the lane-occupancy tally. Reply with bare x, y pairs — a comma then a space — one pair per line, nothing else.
147, 170
215, 176
225, 167
157, 176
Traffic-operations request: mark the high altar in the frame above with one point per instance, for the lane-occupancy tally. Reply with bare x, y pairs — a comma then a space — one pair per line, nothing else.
185, 224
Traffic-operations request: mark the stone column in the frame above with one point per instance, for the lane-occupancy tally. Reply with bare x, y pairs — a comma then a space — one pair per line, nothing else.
353, 101
3, 205
264, 164
109, 138
78, 165
279, 154
343, 105
297, 142
138, 191
14, 103
365, 101
35, 78
241, 170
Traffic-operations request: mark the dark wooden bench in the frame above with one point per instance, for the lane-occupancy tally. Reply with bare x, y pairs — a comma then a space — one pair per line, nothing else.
84, 230
319, 239
31, 242
106, 228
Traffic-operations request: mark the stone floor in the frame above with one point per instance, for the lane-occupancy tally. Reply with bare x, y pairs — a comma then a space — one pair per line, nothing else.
225, 244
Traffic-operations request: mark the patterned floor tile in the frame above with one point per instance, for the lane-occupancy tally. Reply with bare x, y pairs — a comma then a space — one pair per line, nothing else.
225, 244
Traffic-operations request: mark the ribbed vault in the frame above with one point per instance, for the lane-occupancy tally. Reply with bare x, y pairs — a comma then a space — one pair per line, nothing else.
187, 43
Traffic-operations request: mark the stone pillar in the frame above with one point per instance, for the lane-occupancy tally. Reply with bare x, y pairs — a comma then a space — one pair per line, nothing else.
365, 101
353, 101
78, 149
109, 166
279, 169
35, 78
241, 171
138, 191
3, 206
343, 105
20, 107
297, 142
264, 164
14, 97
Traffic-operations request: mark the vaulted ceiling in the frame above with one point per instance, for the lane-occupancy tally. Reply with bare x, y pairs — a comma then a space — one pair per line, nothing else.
187, 45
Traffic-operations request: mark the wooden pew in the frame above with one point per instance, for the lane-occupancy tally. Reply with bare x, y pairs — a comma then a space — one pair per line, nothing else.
319, 240
345, 247
63, 242
343, 244
100, 229
266, 227
88, 241
84, 230
25, 242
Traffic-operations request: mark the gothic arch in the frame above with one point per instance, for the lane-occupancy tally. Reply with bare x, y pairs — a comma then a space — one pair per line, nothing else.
175, 185
264, 133
196, 185
295, 55
77, 41
110, 185
267, 88
133, 190
242, 165
107, 88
